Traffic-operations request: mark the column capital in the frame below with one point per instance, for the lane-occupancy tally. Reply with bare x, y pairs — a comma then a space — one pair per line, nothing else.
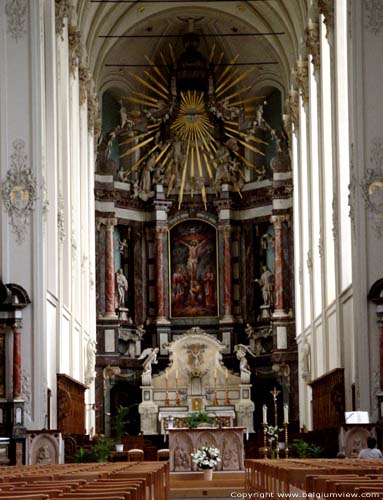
105, 221
278, 220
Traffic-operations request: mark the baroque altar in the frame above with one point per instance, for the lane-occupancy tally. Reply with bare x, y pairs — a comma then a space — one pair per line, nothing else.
183, 442
195, 380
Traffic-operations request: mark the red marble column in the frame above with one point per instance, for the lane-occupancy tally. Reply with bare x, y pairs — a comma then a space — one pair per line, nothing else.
110, 300
16, 361
227, 274
160, 274
279, 306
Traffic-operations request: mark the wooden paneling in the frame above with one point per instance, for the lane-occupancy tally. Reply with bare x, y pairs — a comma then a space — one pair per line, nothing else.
328, 401
70, 405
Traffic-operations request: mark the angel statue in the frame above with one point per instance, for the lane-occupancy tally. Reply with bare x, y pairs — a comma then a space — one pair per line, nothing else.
241, 351
150, 356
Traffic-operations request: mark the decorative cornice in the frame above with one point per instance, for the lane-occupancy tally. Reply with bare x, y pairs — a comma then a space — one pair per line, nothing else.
301, 76
19, 191
326, 8
16, 12
62, 10
74, 46
374, 16
313, 43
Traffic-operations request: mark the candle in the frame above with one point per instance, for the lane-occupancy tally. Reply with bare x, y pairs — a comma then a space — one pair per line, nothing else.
215, 374
226, 374
176, 374
286, 414
264, 408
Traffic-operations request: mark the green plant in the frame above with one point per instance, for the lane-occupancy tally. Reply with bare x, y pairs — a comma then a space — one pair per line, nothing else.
302, 449
102, 448
119, 422
84, 455
193, 419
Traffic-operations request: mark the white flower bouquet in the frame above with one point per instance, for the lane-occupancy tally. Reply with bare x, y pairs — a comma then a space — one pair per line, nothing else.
272, 433
206, 457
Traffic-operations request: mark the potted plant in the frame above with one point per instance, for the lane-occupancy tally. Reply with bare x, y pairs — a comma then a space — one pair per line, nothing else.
102, 448
206, 458
118, 426
200, 419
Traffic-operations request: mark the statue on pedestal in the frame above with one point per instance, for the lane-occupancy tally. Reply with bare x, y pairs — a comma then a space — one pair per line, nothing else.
151, 358
241, 351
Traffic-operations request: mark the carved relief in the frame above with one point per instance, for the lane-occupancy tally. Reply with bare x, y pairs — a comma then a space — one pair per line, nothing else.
43, 449
74, 45
16, 12
231, 453
326, 8
182, 453
93, 110
19, 191
292, 105
60, 219
62, 9
374, 16
313, 43
372, 186
301, 76
26, 392
85, 79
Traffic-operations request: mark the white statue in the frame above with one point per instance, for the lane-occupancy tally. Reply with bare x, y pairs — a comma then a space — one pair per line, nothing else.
151, 358
266, 282
90, 373
306, 360
241, 351
122, 287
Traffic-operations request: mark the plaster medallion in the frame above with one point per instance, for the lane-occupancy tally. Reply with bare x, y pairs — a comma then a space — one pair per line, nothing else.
19, 191
16, 12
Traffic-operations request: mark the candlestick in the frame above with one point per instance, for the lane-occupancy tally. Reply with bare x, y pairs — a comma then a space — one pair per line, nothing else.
264, 408
176, 374
166, 375
285, 414
264, 439
227, 399
275, 393
226, 374
286, 440
177, 401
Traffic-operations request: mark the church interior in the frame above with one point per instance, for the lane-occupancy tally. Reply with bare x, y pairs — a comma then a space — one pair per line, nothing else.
191, 234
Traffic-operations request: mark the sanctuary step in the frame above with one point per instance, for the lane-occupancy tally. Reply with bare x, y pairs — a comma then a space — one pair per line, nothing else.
193, 485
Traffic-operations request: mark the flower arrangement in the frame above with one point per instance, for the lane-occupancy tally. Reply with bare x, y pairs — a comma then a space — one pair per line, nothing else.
272, 433
206, 457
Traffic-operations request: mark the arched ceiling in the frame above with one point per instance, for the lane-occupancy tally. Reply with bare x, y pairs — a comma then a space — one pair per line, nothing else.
151, 20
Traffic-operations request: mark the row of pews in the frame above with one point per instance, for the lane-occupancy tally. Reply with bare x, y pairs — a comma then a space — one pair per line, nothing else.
95, 481
315, 478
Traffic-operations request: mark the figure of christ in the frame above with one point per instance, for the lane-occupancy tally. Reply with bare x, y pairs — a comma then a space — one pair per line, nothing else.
178, 285
208, 285
195, 251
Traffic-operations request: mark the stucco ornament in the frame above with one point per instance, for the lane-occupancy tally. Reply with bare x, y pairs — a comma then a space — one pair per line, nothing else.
19, 191
16, 12
372, 186
374, 16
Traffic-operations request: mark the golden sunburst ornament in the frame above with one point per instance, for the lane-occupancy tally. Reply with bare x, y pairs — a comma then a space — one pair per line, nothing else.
191, 139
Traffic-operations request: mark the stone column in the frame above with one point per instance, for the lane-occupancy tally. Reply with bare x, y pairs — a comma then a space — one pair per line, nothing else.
227, 274
161, 232
110, 287
16, 361
279, 305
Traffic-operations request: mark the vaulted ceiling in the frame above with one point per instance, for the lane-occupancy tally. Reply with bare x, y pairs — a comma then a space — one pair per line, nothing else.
149, 25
